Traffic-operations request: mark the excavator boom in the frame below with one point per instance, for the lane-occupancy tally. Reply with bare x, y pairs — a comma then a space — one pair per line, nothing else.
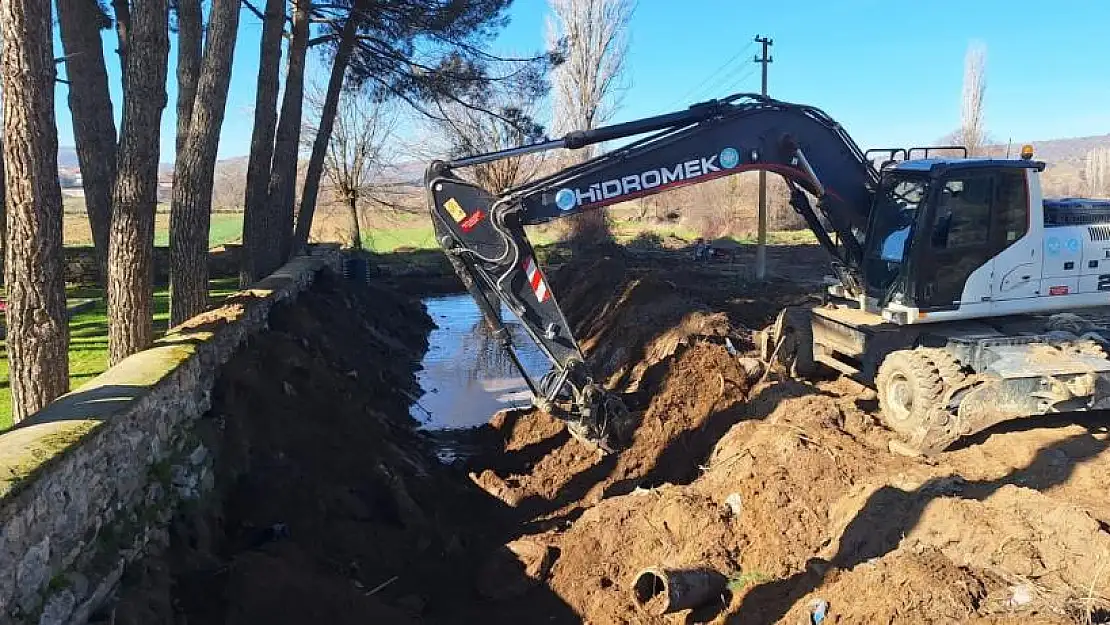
483, 234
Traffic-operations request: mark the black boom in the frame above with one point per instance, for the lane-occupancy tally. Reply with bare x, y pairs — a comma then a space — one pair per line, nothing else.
483, 234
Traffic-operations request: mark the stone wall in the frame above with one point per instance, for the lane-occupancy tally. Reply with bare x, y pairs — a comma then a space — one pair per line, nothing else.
94, 478
80, 264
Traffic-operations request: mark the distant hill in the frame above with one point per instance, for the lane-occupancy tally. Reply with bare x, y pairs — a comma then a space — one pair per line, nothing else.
67, 157
1071, 151
1066, 159
404, 173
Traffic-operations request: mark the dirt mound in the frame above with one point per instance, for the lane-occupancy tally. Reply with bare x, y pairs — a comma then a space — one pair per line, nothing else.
627, 324
666, 354
800, 503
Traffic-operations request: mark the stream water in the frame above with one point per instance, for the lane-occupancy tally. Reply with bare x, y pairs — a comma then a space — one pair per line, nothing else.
466, 376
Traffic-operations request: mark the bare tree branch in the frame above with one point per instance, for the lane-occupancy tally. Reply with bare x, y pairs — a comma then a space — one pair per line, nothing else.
1096, 172
355, 155
975, 88
588, 82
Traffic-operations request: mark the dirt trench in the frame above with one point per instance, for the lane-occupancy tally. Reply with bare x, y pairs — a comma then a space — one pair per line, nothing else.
333, 508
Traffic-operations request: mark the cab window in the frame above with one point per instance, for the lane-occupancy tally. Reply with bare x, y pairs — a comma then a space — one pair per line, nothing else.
963, 212
1011, 206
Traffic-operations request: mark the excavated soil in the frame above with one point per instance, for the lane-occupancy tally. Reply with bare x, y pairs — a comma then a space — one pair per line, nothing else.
788, 489
332, 507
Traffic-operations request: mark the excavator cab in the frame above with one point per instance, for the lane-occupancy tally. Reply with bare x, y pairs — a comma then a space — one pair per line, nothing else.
936, 227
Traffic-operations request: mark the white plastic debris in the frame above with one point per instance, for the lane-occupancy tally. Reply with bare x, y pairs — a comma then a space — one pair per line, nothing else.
735, 503
819, 609
1020, 595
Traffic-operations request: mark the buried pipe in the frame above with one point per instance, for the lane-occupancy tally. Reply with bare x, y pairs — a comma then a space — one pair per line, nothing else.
661, 591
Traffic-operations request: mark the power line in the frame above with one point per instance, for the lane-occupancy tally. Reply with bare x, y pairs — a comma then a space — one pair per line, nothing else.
688, 96
733, 84
714, 88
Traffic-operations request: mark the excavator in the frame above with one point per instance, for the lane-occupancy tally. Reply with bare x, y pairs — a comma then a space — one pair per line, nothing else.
954, 285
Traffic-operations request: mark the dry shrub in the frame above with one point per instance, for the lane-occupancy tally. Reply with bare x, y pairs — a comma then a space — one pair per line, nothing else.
589, 229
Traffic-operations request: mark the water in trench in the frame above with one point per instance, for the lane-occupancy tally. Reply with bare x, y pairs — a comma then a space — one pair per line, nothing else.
466, 375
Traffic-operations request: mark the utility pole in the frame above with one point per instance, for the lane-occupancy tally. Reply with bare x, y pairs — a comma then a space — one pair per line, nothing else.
761, 241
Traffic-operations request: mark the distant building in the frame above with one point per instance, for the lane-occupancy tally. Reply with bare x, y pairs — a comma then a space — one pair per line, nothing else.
165, 187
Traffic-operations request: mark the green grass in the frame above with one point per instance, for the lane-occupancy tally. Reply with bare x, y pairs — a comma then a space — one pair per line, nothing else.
415, 232
88, 338
421, 237
225, 228
384, 241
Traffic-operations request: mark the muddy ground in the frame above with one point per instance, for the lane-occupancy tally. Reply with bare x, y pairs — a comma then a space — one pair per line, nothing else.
332, 508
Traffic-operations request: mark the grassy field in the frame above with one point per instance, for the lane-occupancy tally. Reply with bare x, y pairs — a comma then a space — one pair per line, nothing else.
417, 234
226, 228
88, 340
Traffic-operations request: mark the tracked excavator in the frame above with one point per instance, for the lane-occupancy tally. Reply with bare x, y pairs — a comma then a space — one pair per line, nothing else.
957, 292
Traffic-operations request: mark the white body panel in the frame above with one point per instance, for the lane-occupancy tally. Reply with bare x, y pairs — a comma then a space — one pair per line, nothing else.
1047, 269
1016, 271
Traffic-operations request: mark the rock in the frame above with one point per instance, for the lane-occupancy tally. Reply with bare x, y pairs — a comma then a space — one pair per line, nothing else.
898, 447
752, 367
515, 568
497, 487
867, 394
198, 455
58, 609
33, 569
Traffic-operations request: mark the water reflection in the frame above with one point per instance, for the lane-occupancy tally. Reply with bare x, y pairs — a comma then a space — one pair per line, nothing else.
467, 376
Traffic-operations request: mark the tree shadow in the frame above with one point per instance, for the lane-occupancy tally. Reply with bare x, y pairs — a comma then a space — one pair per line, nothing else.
891, 513
1089, 420
97, 403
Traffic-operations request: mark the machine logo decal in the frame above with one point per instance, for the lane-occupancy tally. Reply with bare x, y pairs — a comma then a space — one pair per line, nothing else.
468, 224
535, 279
1057, 290
1053, 246
565, 199
452, 207
1073, 245
662, 177
730, 158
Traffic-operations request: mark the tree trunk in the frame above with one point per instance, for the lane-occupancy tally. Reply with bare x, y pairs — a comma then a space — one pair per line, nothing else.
190, 43
131, 249
323, 133
352, 211
3, 213
190, 211
283, 174
258, 213
122, 9
37, 332
90, 104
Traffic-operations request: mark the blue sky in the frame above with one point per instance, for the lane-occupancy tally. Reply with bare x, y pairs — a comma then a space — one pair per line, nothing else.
890, 72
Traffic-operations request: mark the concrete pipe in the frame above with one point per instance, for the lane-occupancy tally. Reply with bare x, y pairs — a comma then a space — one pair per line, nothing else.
661, 591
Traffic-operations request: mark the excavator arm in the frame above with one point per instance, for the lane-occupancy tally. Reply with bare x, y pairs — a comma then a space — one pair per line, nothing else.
483, 234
